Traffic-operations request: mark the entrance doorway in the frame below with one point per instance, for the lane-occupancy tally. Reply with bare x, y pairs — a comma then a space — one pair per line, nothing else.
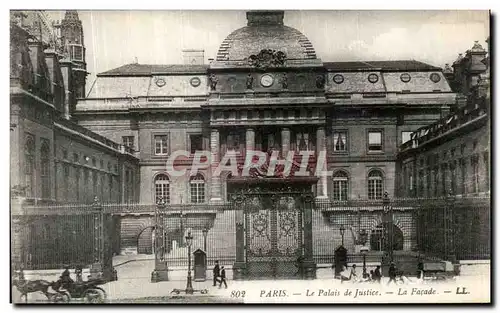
380, 242
276, 237
145, 241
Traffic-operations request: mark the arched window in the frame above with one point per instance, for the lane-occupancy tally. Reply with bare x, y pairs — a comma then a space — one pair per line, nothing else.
375, 185
197, 189
162, 188
29, 170
340, 184
45, 169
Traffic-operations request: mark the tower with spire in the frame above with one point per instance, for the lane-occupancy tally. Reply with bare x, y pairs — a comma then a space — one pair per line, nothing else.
73, 49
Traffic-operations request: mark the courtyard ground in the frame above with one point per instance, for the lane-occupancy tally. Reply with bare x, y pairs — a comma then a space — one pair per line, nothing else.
134, 286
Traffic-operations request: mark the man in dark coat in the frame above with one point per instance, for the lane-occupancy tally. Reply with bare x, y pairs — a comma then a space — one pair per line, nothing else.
216, 272
392, 274
222, 277
420, 269
377, 276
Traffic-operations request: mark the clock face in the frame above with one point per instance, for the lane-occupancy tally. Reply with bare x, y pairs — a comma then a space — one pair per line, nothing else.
266, 80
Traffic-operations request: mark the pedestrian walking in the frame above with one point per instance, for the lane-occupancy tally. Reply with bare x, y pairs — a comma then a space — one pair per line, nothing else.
420, 270
222, 277
392, 274
354, 275
344, 275
216, 273
377, 275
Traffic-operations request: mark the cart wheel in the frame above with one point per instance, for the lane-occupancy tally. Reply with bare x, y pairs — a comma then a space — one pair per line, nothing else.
93, 296
103, 293
61, 298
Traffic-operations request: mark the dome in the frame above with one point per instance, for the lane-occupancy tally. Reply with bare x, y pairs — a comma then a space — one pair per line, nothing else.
265, 30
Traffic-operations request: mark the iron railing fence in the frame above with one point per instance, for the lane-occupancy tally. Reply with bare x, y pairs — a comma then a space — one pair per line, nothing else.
51, 236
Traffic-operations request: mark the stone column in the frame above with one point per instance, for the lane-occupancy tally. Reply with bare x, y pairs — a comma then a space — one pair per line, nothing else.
250, 139
321, 147
285, 141
215, 183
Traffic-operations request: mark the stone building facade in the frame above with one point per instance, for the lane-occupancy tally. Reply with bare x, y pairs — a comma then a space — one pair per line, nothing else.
452, 155
266, 90
53, 159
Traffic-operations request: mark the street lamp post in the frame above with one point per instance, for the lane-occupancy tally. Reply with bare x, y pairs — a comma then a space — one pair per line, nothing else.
189, 286
363, 251
388, 225
342, 232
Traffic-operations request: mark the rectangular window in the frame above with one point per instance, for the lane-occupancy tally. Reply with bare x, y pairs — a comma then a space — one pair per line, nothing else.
77, 52
475, 175
66, 182
463, 167
453, 179
110, 187
486, 162
405, 136
436, 181
75, 157
161, 144
196, 143
444, 178
128, 141
421, 184
340, 189
233, 142
429, 182
340, 141
375, 189
197, 191
303, 142
77, 185
374, 141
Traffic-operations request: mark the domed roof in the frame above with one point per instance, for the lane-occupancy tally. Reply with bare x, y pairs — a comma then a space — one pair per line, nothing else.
265, 30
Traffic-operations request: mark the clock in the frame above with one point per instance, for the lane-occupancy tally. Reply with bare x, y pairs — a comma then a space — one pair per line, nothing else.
266, 80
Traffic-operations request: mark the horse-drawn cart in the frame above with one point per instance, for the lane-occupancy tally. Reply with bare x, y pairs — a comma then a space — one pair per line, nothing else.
440, 270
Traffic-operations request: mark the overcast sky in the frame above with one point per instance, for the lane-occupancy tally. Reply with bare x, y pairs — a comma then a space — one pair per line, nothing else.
114, 38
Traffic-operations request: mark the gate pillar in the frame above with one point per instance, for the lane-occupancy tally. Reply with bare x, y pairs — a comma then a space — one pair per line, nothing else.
102, 267
309, 265
160, 273
239, 267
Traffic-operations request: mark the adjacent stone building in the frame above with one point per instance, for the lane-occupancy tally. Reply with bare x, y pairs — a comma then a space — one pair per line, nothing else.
53, 159
452, 156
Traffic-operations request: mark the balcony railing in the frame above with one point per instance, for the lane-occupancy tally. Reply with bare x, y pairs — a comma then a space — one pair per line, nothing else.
453, 121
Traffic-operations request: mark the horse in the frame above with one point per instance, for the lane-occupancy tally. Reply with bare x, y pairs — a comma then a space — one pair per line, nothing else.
29, 286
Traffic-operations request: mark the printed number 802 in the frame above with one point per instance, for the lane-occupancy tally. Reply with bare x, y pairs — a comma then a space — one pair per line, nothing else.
237, 294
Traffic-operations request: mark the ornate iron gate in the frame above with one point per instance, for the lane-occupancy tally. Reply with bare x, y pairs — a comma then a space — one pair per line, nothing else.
273, 235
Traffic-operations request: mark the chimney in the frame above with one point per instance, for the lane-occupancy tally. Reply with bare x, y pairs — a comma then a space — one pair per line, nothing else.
256, 18
193, 56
